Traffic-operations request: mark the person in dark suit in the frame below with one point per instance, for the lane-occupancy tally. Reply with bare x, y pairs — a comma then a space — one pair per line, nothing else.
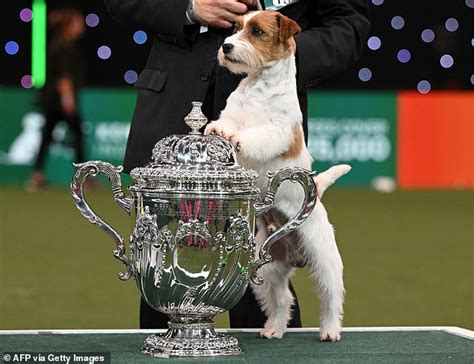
59, 96
182, 67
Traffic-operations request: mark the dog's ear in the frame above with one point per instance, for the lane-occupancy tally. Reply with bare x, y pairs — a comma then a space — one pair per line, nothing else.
288, 27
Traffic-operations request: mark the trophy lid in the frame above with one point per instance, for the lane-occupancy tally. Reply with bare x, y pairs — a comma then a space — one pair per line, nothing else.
194, 163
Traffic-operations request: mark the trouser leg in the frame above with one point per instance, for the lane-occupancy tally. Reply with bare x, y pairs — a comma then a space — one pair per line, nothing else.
52, 118
75, 124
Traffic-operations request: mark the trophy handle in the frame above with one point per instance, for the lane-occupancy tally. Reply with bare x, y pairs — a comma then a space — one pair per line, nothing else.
93, 168
295, 174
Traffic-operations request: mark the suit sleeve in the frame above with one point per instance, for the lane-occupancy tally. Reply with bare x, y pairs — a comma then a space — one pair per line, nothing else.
161, 17
335, 41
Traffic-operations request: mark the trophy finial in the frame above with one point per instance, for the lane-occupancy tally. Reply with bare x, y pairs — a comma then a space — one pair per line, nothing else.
195, 119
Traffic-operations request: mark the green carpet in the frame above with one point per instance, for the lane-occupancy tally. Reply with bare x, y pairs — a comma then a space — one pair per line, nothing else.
408, 261
371, 347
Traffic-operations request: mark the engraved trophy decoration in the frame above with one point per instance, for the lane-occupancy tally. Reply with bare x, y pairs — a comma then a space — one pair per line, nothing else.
192, 249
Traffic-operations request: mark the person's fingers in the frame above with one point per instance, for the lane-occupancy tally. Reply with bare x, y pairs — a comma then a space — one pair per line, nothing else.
235, 7
228, 17
223, 24
249, 2
221, 15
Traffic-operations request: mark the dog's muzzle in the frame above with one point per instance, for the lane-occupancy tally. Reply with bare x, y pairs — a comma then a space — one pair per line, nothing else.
227, 47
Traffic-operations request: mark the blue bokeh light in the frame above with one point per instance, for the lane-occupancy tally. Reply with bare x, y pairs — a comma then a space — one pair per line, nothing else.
397, 22
446, 61
404, 55
92, 20
130, 77
365, 74
451, 25
12, 48
104, 52
140, 37
427, 35
374, 43
423, 87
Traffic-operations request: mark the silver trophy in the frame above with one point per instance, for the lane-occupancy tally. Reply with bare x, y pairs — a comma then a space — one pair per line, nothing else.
192, 249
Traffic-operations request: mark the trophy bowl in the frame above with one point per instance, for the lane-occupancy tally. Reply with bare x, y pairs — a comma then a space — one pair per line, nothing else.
192, 251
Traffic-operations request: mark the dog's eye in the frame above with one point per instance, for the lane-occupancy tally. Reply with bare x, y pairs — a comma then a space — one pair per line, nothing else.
257, 31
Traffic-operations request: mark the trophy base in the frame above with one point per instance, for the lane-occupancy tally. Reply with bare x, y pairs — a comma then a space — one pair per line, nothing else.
193, 339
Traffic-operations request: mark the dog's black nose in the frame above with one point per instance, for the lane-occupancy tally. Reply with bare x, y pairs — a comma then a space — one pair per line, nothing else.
227, 47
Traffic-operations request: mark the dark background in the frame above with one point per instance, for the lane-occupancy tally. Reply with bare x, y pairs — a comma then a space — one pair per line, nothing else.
387, 71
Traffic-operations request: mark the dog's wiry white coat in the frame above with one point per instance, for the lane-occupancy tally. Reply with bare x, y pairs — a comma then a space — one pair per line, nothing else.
260, 119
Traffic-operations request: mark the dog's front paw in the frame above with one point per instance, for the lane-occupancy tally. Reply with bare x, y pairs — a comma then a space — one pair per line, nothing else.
330, 335
236, 142
271, 333
213, 128
224, 131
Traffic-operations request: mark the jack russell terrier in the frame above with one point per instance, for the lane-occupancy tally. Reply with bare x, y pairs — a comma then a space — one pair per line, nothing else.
263, 121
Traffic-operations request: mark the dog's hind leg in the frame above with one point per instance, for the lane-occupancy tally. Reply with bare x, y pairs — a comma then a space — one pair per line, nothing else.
274, 295
275, 298
319, 244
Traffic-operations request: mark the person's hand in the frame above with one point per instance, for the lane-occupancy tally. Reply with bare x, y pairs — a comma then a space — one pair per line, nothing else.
68, 104
220, 13
65, 88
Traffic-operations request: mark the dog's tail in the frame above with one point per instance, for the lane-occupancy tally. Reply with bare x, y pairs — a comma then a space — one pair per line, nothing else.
325, 179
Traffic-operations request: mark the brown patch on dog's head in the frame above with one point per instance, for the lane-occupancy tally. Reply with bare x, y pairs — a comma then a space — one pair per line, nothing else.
260, 37
270, 32
296, 145
288, 27
238, 23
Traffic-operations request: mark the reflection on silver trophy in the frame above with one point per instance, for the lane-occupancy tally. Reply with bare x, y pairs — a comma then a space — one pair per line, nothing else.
192, 249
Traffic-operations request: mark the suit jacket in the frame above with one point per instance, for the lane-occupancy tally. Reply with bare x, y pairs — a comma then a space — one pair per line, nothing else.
182, 63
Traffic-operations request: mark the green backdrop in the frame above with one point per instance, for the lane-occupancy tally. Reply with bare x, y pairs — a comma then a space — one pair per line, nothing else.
357, 128
344, 127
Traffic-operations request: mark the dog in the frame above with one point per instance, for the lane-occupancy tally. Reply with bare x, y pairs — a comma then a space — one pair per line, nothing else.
263, 120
